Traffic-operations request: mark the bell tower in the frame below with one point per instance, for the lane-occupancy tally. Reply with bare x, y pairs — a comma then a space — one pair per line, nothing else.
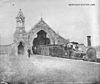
20, 33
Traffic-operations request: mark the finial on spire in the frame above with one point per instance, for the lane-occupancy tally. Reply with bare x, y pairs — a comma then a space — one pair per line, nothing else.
41, 19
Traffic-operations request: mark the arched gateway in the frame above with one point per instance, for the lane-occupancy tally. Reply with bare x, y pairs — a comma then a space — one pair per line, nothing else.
41, 39
42, 34
20, 48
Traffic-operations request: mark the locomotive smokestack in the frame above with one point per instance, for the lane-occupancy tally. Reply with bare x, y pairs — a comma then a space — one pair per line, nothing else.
88, 40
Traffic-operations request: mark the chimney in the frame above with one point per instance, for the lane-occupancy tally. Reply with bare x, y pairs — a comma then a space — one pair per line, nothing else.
88, 40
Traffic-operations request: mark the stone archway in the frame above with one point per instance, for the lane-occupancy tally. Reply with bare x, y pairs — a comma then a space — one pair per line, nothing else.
35, 30
20, 48
41, 39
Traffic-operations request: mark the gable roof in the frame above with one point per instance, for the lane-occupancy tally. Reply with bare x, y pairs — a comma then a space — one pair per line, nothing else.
42, 25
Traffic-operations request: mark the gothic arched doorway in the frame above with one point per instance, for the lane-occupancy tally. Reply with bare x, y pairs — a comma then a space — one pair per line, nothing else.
20, 48
41, 39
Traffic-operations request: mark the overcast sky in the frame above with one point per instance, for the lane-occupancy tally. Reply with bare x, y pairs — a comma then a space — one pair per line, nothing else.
71, 22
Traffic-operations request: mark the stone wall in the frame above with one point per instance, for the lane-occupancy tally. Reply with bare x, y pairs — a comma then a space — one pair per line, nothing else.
5, 49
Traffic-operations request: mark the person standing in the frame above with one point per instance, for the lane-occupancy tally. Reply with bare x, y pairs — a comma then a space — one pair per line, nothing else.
29, 52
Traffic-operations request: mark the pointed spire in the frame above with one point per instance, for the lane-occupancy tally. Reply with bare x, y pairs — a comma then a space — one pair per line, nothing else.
20, 14
20, 19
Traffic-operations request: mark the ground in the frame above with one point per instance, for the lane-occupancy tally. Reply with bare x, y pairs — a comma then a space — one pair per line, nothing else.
48, 70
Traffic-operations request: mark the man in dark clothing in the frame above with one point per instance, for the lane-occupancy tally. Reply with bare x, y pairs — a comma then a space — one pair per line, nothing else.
29, 52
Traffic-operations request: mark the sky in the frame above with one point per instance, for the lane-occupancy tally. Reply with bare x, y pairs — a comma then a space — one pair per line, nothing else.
70, 21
